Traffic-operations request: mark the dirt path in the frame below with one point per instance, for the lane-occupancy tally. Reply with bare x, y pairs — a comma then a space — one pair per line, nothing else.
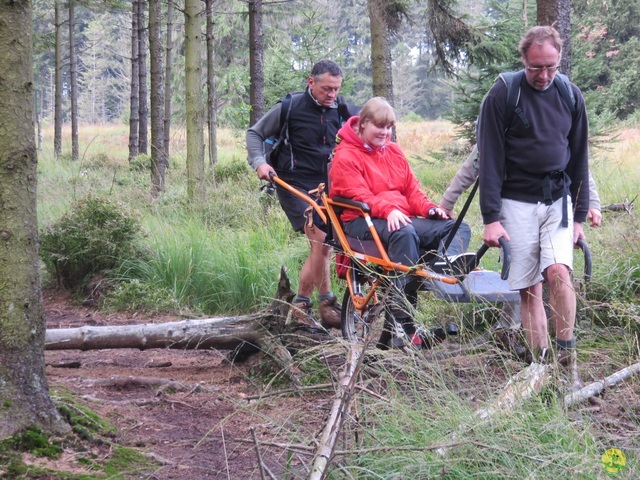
199, 431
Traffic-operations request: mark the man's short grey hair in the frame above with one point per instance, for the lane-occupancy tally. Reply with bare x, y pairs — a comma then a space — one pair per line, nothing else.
325, 66
540, 35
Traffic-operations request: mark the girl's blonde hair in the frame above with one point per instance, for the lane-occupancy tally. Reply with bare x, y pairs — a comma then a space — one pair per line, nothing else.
378, 111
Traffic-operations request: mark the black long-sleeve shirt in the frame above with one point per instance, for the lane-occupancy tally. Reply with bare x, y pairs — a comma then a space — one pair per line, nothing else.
513, 161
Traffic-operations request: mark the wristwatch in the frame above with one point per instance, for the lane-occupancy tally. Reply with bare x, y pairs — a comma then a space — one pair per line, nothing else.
431, 212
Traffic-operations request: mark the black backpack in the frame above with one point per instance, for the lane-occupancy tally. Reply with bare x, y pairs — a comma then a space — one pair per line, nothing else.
272, 144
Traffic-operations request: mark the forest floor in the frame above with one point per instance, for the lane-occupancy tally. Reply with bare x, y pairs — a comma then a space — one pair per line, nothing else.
207, 423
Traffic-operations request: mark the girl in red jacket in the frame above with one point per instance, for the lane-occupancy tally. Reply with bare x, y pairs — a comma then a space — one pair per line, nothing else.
368, 167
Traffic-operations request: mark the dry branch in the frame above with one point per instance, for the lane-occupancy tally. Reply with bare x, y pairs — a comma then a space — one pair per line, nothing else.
519, 387
625, 206
596, 387
339, 409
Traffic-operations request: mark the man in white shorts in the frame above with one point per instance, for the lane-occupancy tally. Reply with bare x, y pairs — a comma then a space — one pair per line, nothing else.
534, 190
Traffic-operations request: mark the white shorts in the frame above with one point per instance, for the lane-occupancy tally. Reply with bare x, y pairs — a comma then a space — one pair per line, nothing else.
538, 239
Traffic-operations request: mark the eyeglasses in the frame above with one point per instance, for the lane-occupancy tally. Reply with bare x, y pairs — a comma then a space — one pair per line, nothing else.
537, 70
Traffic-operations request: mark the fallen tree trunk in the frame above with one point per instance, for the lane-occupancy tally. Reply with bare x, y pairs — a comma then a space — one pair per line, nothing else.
225, 333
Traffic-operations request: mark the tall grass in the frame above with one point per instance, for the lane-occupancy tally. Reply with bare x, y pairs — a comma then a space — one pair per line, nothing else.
426, 427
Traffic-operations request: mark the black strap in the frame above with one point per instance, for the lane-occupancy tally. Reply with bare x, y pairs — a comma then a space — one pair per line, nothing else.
548, 197
463, 212
564, 87
513, 81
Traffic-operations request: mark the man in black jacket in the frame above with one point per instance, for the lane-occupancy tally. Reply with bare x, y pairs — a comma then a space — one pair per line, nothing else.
534, 190
312, 123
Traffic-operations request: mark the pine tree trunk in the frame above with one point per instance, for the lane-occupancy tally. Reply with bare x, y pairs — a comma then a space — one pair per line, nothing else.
135, 85
143, 110
557, 13
158, 163
193, 101
256, 62
57, 115
167, 82
23, 383
73, 76
211, 87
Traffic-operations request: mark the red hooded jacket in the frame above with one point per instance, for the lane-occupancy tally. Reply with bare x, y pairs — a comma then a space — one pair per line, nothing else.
380, 177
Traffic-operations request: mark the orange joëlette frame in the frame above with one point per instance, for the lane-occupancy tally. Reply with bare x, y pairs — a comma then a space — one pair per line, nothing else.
327, 210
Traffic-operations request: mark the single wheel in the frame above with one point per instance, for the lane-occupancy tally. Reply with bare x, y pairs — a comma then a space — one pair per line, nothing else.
362, 313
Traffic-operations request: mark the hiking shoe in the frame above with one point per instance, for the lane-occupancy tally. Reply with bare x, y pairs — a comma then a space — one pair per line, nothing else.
330, 313
508, 339
456, 265
303, 317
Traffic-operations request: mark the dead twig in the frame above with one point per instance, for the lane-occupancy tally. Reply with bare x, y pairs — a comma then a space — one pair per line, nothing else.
596, 387
255, 444
625, 206
285, 391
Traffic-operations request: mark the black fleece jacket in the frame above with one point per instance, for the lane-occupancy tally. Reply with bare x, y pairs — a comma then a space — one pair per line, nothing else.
514, 161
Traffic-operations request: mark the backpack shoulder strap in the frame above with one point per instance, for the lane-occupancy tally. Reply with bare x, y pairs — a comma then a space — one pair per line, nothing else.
564, 86
285, 112
512, 80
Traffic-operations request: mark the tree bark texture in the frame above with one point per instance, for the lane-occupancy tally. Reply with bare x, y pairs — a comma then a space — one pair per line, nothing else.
380, 69
158, 161
167, 81
143, 106
211, 87
134, 103
73, 75
557, 13
193, 100
57, 113
224, 333
256, 61
24, 395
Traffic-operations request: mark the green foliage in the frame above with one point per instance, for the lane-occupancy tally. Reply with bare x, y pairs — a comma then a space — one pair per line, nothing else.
135, 296
94, 236
605, 62
231, 170
497, 51
140, 163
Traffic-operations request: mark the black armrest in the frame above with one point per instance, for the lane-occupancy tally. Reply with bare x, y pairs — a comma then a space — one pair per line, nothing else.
353, 203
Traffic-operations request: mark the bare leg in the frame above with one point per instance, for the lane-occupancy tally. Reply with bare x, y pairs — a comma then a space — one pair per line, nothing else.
562, 300
315, 272
534, 318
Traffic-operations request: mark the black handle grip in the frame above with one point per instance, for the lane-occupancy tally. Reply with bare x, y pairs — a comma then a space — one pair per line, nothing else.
587, 258
506, 256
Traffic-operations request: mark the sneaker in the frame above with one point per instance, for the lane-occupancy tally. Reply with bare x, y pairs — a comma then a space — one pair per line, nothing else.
429, 338
330, 313
456, 265
398, 338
